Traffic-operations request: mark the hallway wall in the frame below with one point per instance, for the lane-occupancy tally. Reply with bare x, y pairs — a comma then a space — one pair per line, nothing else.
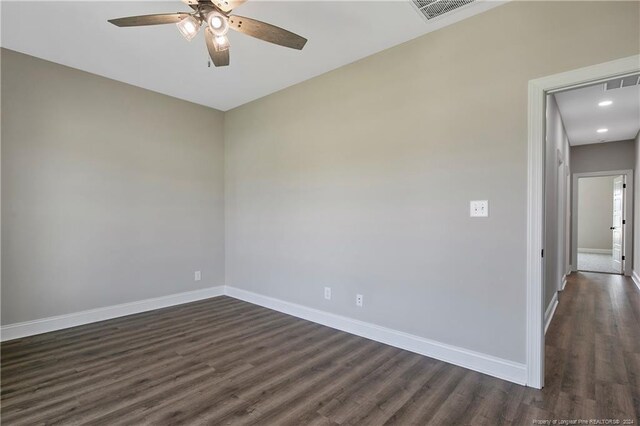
636, 206
599, 157
557, 168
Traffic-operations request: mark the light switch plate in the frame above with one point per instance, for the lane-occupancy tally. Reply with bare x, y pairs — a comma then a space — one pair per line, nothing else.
479, 208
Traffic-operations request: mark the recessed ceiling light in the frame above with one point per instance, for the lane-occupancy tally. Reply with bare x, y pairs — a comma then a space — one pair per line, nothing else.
605, 103
602, 130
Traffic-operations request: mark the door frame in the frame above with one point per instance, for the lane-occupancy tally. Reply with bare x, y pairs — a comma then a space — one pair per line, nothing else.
627, 244
538, 90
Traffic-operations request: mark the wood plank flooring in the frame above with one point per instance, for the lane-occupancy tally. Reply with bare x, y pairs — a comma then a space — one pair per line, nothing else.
223, 361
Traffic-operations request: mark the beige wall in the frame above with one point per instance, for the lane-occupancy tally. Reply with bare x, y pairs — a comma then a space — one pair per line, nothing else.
360, 179
110, 193
595, 213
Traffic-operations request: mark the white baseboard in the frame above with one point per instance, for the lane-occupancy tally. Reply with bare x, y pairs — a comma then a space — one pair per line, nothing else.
595, 251
45, 325
551, 309
564, 282
483, 363
636, 278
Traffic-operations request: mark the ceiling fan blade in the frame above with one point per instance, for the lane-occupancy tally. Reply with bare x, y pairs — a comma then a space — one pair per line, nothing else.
158, 19
227, 5
193, 4
266, 32
220, 58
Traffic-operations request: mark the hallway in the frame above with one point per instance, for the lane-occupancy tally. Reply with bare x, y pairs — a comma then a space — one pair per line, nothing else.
592, 352
596, 262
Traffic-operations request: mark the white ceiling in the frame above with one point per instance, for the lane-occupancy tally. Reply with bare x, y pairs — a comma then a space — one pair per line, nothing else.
582, 116
76, 34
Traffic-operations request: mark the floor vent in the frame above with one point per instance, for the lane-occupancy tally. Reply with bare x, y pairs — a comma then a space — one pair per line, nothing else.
434, 8
619, 83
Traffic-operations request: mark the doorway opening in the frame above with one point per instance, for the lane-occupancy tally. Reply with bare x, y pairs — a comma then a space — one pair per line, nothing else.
600, 223
540, 160
591, 134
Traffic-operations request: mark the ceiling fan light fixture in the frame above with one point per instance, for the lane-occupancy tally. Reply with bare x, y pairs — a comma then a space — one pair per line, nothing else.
221, 43
218, 23
214, 16
189, 27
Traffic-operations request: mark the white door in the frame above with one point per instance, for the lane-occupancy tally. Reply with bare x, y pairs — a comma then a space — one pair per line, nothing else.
617, 225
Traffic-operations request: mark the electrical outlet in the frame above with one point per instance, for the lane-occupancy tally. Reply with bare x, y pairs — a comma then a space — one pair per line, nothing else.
197, 276
327, 293
479, 208
359, 301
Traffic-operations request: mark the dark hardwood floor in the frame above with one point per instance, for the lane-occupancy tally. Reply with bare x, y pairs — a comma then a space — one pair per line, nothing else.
223, 361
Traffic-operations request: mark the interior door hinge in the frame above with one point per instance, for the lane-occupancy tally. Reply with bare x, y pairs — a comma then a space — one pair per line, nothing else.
624, 185
624, 222
542, 253
622, 257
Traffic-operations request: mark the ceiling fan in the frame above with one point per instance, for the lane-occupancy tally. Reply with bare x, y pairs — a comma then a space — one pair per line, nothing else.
215, 15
